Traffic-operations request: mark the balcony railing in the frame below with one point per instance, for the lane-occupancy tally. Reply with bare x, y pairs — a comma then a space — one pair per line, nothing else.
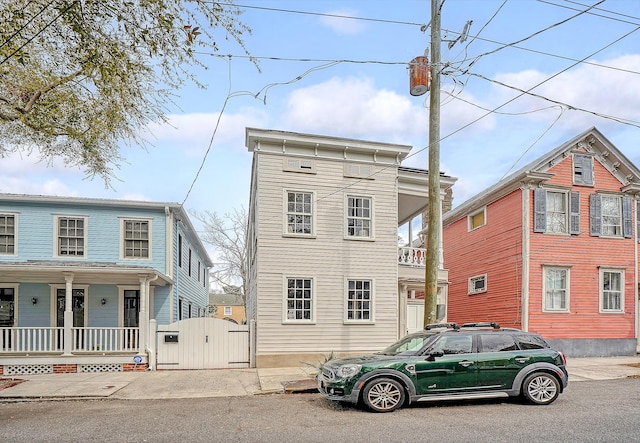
51, 340
412, 256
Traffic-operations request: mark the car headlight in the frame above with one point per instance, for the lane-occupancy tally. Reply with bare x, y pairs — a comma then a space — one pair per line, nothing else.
348, 371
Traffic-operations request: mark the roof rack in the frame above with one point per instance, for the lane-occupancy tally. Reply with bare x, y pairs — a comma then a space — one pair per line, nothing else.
442, 325
482, 324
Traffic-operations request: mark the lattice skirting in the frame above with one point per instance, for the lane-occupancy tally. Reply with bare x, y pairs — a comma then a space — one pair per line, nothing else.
27, 369
35, 369
101, 367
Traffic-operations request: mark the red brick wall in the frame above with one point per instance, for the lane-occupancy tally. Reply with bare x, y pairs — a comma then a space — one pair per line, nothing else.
129, 367
65, 368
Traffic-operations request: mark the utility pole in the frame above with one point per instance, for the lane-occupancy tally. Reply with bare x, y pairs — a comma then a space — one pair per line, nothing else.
435, 207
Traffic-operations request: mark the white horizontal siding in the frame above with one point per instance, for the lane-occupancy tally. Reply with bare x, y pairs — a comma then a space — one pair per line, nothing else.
328, 259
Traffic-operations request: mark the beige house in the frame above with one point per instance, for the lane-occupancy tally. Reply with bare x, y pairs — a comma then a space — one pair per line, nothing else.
326, 272
227, 307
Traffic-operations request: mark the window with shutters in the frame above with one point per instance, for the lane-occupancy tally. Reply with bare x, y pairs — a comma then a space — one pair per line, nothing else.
556, 289
556, 211
582, 170
610, 216
611, 290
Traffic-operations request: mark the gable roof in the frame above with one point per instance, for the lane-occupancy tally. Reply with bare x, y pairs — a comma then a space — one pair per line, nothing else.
536, 172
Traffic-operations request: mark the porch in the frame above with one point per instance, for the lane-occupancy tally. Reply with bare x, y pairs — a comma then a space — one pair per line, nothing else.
41, 350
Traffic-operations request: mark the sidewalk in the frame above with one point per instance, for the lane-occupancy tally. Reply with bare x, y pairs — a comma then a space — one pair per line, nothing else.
231, 382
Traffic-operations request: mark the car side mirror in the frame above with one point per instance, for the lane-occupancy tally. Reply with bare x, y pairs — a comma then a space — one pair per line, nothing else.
433, 354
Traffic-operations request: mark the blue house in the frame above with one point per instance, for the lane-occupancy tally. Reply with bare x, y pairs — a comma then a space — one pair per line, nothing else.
83, 281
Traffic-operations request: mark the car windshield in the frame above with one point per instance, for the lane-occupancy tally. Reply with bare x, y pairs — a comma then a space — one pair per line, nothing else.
409, 345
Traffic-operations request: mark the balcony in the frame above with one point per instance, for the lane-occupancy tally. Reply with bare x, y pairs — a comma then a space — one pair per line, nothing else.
41, 340
409, 256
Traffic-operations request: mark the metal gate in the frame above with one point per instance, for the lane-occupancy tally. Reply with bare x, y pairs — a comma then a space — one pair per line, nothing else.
202, 343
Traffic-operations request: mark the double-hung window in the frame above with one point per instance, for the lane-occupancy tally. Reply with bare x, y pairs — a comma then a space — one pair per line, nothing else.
556, 289
359, 301
299, 300
556, 211
299, 215
359, 217
611, 290
136, 238
7, 234
71, 235
610, 215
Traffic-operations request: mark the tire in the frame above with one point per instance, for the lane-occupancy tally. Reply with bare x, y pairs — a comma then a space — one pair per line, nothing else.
383, 395
541, 388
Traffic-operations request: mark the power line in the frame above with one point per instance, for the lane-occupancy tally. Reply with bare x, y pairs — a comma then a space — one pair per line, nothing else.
596, 9
320, 14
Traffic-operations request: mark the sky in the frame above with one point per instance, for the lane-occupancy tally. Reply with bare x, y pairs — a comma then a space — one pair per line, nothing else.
340, 68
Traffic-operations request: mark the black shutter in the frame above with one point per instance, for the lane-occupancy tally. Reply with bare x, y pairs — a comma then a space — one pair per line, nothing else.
574, 208
540, 210
627, 218
595, 215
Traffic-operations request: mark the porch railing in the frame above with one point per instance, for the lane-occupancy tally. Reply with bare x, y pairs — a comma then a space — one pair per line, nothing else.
105, 339
31, 339
47, 339
411, 256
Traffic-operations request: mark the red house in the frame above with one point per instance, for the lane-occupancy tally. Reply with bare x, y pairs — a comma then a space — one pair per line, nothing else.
553, 248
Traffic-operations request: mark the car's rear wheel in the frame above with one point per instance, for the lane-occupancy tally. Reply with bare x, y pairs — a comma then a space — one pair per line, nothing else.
383, 395
541, 388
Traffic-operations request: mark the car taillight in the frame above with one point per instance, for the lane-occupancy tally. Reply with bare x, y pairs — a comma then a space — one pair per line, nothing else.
564, 358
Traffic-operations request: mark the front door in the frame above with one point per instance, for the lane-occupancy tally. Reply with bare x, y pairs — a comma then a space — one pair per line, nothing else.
77, 305
131, 309
456, 370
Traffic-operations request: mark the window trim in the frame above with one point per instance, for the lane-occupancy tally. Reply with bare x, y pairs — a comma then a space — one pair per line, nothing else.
471, 288
371, 235
613, 269
372, 296
285, 299
567, 289
470, 226
56, 236
285, 214
16, 299
15, 234
54, 296
123, 221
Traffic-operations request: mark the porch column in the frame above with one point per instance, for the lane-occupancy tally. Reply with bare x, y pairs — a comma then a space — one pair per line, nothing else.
143, 318
402, 310
68, 313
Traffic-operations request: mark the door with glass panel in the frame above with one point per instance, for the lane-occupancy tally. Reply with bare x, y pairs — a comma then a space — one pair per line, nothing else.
131, 317
77, 306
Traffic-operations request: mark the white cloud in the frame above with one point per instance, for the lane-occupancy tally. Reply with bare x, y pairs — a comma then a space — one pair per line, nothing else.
342, 25
355, 107
589, 87
193, 132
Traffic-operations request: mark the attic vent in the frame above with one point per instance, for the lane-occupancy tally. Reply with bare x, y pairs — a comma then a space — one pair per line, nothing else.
299, 165
358, 171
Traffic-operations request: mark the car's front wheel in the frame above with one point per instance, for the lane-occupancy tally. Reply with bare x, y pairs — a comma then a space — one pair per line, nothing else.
383, 395
541, 388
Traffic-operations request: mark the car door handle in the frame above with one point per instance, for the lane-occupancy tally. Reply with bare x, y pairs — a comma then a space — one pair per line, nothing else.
521, 359
465, 363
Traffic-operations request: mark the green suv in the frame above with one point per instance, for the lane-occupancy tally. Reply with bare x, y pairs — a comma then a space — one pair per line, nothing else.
445, 362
